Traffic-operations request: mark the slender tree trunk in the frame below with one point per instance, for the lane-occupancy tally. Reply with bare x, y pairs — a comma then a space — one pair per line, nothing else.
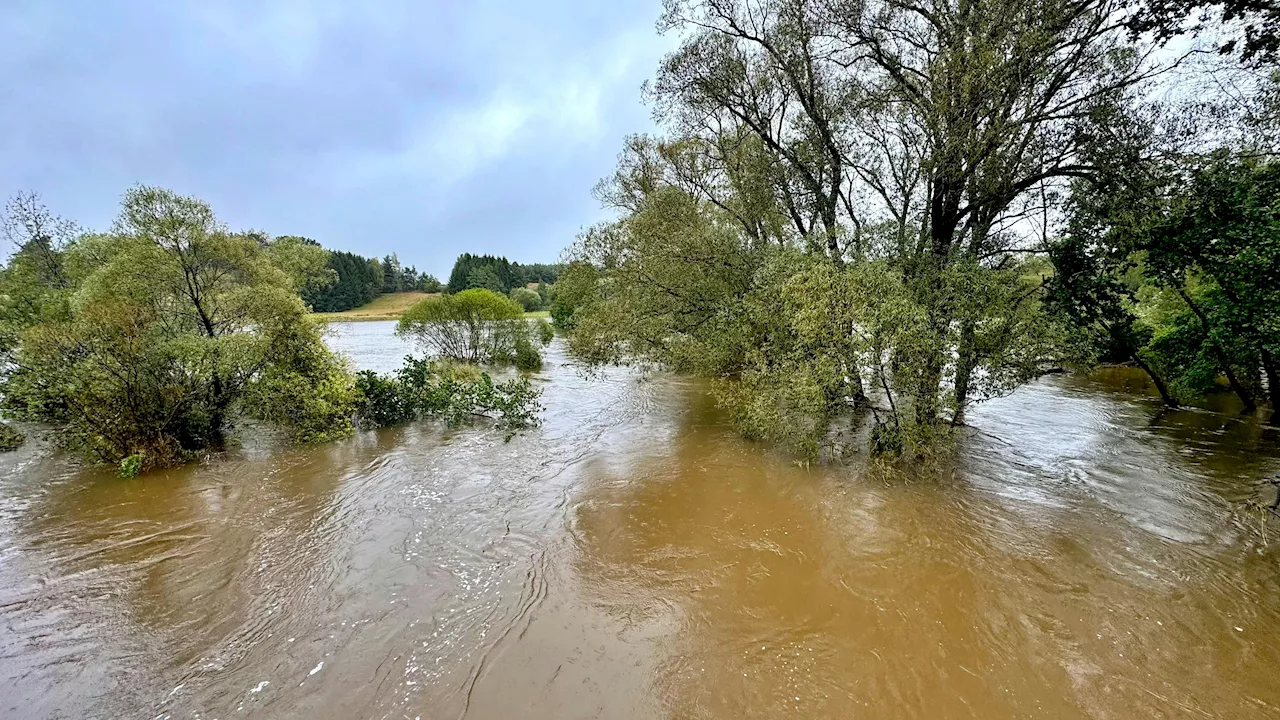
944, 218
964, 371
1163, 389
1223, 360
1273, 379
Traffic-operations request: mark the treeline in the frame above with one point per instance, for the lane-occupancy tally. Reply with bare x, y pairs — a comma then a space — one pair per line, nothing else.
358, 280
888, 214
497, 274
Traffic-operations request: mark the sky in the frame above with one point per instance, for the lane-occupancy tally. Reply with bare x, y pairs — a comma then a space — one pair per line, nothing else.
423, 128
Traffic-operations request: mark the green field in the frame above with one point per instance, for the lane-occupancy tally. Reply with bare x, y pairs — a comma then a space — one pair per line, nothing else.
390, 307
385, 307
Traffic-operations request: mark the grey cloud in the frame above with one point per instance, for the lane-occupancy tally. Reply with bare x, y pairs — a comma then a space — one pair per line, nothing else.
424, 129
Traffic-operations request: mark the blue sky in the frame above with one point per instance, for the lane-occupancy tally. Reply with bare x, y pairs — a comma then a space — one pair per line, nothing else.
420, 128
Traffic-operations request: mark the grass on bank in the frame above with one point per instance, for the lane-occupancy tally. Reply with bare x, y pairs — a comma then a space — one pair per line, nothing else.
390, 307
384, 307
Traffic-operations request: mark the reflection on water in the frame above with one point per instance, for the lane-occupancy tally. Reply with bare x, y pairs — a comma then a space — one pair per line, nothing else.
634, 558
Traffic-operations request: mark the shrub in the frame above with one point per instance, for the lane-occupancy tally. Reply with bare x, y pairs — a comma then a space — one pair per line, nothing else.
384, 400
474, 326
454, 393
528, 299
527, 357
546, 333
10, 439
131, 465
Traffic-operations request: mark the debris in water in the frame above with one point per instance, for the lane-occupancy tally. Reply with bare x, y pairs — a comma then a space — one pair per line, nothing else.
258, 689
316, 669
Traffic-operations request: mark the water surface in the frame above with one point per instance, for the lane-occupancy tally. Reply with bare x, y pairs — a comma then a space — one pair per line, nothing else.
633, 558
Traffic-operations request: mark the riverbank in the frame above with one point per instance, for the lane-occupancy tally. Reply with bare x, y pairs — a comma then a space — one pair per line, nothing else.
385, 307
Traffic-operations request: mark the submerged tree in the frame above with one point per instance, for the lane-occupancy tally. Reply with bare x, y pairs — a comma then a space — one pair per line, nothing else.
150, 336
924, 145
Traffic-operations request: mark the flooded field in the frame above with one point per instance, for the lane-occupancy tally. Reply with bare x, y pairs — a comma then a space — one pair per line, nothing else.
634, 558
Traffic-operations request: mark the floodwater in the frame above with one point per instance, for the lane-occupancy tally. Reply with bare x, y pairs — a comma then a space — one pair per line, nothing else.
633, 558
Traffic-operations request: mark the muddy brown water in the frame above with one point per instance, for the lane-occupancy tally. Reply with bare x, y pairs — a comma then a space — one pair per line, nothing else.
633, 558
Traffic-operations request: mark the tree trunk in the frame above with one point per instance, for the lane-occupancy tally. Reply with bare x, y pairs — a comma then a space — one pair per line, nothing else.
1273, 379
1223, 360
1163, 389
964, 371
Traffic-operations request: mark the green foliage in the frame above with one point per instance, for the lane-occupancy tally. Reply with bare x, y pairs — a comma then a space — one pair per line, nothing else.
841, 217
10, 439
453, 393
796, 339
484, 278
1181, 274
575, 289
384, 401
303, 387
357, 283
131, 466
150, 339
474, 326
304, 261
509, 275
429, 284
546, 333
530, 300
527, 356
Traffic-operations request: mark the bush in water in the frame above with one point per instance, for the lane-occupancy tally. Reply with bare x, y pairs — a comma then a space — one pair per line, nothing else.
475, 326
454, 393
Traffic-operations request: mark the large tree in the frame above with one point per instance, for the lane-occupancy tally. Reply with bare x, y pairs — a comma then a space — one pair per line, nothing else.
924, 143
150, 337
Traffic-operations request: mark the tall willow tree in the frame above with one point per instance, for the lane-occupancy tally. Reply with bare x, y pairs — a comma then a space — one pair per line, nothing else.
899, 161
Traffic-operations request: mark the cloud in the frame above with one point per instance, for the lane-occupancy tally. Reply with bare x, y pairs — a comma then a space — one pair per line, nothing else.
424, 129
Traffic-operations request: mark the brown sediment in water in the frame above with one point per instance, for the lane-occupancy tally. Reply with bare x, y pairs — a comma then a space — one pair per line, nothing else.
635, 558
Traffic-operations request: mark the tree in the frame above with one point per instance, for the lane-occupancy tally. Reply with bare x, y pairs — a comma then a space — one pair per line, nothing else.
1250, 24
306, 262
1217, 246
576, 289
475, 326
1090, 290
158, 331
357, 283
485, 278
530, 300
408, 279
392, 280
429, 284
923, 145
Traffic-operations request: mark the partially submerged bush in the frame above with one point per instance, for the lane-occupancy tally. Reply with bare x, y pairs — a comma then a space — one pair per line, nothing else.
546, 333
453, 393
474, 326
10, 439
